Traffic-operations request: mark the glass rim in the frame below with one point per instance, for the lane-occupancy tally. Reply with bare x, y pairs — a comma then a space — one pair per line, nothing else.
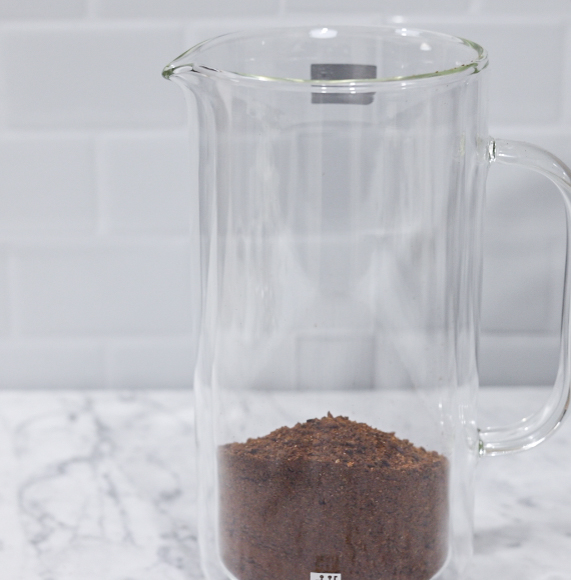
187, 62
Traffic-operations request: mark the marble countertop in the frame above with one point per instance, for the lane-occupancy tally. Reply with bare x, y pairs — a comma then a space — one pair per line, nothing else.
101, 486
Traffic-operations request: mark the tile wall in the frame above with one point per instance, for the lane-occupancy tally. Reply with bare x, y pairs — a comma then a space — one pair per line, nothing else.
97, 272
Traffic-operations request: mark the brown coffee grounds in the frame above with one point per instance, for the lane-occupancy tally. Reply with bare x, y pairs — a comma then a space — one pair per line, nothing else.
332, 495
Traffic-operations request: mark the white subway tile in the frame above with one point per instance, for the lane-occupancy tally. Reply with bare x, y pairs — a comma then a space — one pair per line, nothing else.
4, 295
90, 77
526, 68
48, 365
231, 8
521, 7
112, 290
138, 9
28, 9
166, 364
518, 359
146, 182
47, 184
567, 80
185, 8
396, 7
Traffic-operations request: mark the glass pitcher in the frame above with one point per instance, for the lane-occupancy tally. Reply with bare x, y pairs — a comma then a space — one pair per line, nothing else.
341, 191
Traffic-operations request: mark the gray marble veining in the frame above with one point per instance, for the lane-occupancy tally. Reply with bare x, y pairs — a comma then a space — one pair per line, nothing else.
101, 486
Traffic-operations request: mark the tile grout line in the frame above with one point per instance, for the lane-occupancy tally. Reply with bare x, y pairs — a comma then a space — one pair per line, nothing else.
566, 84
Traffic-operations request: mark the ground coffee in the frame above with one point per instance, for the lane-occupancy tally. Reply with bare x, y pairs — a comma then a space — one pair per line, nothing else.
332, 496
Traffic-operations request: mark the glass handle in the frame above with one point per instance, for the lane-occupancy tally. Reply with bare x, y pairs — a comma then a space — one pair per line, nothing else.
534, 429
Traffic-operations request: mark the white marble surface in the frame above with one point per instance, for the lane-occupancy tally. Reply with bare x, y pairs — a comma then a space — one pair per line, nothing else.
100, 486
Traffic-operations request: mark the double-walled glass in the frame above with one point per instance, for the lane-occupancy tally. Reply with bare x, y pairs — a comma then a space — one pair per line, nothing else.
341, 190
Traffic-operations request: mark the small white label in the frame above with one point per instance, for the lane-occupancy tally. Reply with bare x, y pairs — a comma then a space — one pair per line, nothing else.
324, 576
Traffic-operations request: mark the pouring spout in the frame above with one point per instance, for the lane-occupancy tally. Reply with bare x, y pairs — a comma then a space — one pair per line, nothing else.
184, 69
183, 74
169, 71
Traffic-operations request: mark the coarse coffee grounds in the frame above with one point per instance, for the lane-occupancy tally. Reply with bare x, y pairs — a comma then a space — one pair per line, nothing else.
332, 495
